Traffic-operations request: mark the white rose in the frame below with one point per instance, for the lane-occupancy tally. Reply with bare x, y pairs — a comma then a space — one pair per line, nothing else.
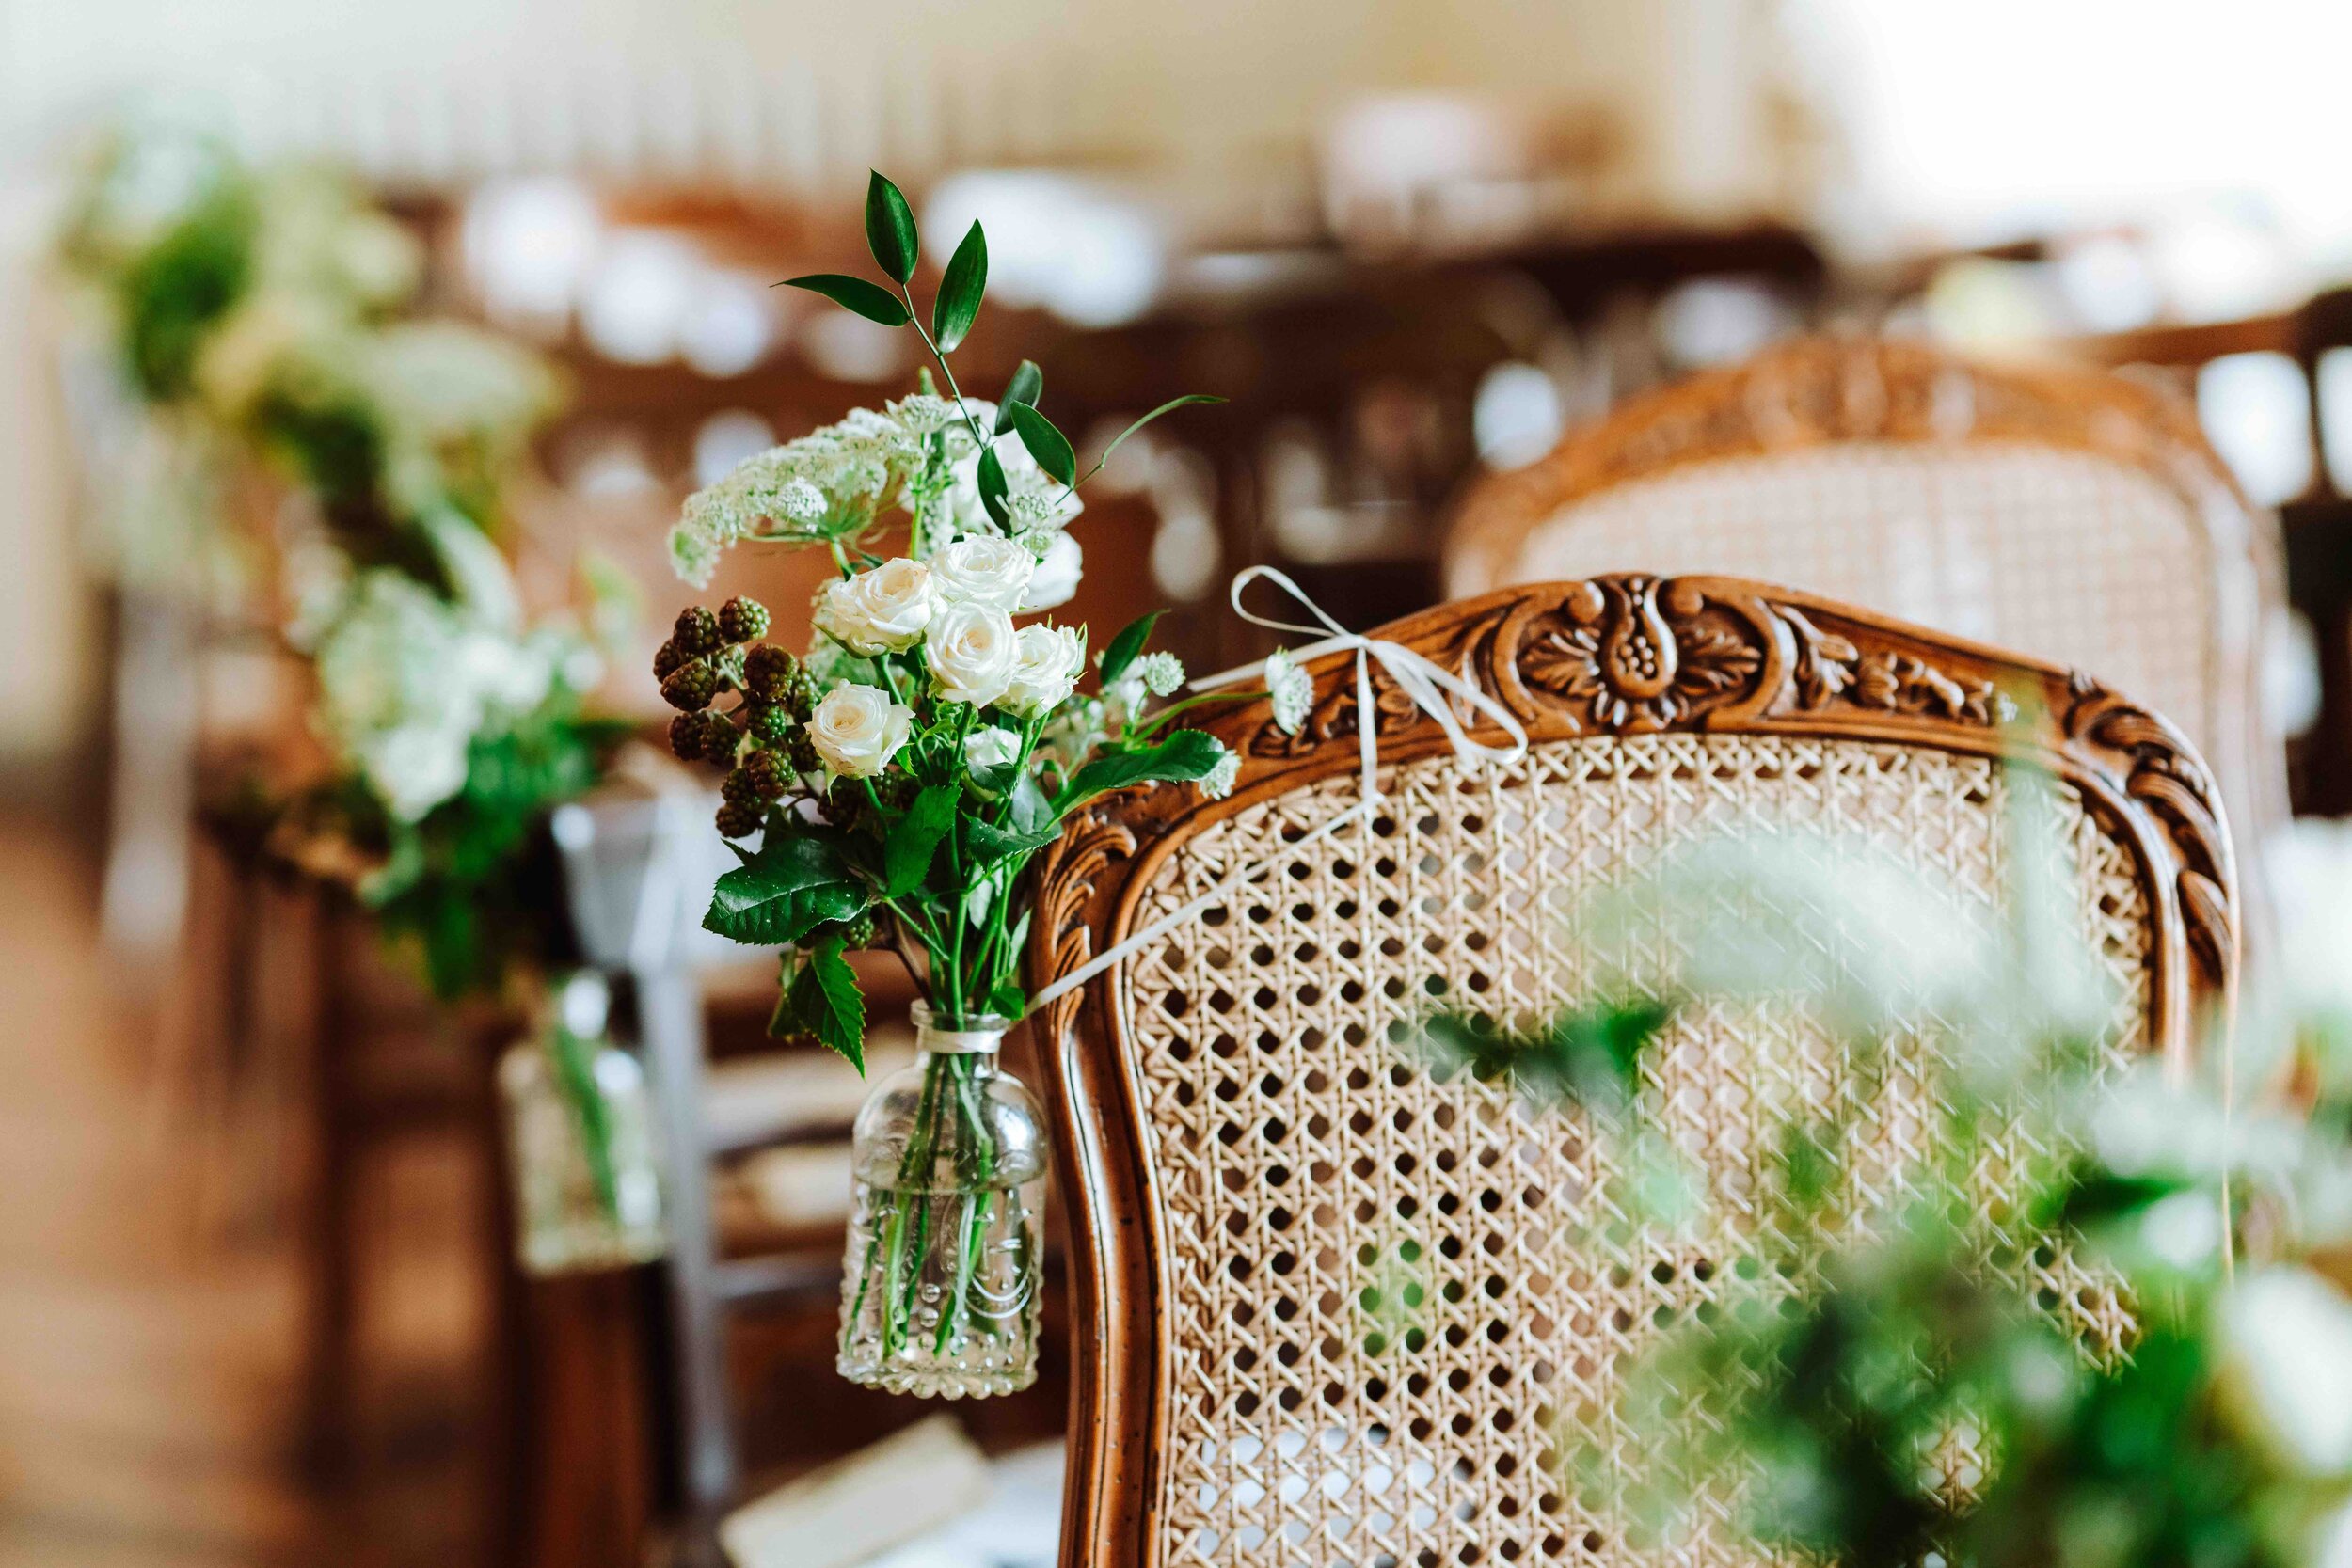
982, 571
970, 651
1047, 665
858, 729
883, 611
992, 747
416, 766
1056, 576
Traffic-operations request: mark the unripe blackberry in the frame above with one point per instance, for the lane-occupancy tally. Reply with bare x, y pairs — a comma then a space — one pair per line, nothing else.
743, 619
766, 772
686, 736
768, 671
667, 659
897, 790
737, 786
801, 751
720, 738
766, 721
741, 819
697, 631
800, 694
858, 933
691, 687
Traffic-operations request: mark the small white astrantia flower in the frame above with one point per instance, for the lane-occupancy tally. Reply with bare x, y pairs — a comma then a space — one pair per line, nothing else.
883, 611
994, 747
1291, 688
971, 652
858, 729
983, 571
1161, 673
1048, 661
924, 413
1218, 782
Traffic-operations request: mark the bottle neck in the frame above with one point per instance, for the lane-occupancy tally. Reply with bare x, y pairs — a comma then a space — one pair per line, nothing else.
943, 1035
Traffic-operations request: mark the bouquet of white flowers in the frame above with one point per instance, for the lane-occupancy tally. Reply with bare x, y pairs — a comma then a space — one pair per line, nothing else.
900, 776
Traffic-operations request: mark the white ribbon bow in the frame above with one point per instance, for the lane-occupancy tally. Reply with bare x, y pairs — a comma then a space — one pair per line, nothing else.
1433, 689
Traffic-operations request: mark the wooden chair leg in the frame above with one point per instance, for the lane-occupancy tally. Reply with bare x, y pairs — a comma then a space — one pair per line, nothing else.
330, 1254
670, 1029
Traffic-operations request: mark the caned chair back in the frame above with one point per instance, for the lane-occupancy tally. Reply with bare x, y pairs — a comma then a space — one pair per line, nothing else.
2079, 515
1333, 1306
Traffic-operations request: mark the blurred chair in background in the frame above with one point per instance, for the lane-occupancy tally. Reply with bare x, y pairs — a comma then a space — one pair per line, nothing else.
2079, 516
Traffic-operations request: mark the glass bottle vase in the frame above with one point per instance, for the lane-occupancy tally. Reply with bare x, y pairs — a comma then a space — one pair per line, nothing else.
579, 1133
940, 1294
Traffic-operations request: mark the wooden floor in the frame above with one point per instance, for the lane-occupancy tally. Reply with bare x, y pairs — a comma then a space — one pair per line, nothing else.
149, 1364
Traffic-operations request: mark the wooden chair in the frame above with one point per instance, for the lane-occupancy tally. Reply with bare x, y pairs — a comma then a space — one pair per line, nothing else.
2078, 516
1245, 1150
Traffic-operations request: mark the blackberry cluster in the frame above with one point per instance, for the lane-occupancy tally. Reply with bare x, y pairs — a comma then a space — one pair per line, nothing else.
709, 654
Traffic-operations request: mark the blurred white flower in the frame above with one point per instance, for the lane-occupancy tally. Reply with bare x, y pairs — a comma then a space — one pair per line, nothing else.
879, 612
994, 747
972, 650
2285, 1369
1058, 568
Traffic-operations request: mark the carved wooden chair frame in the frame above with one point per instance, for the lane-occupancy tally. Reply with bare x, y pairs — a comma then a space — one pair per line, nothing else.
1822, 391
1616, 655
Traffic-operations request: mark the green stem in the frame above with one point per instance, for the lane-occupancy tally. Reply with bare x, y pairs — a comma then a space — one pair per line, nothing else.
914, 318
1138, 732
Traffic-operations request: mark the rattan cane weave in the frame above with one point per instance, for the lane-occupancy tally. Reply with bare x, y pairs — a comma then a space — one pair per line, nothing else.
2078, 516
1336, 1308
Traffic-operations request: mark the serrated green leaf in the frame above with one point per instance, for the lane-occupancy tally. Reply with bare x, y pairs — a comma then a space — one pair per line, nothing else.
1026, 386
995, 843
779, 922
914, 839
783, 864
959, 299
870, 300
1180, 757
1168, 408
826, 1003
889, 228
1049, 446
1127, 644
993, 486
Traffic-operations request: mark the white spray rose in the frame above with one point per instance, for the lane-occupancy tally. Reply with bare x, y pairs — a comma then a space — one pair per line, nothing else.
858, 729
1047, 664
1056, 576
994, 747
972, 650
883, 611
983, 571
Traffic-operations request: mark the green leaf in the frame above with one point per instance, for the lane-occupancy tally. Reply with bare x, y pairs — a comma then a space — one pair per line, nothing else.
1127, 644
870, 300
995, 843
993, 486
1026, 386
889, 229
779, 922
914, 839
825, 1001
1168, 408
784, 865
1008, 1000
959, 299
1049, 446
1180, 757
1031, 811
